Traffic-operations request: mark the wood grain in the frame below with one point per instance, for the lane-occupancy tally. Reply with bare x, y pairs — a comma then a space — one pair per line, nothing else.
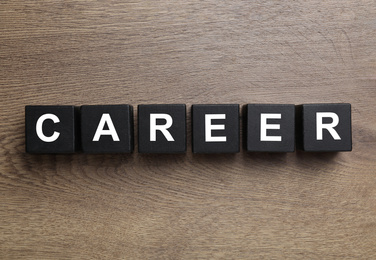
242, 206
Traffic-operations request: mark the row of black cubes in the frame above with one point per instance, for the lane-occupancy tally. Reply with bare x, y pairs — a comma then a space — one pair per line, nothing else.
297, 124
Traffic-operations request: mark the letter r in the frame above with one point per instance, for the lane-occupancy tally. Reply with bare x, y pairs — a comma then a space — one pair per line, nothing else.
320, 126
163, 128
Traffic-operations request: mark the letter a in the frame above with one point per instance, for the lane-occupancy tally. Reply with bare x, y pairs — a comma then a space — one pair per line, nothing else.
106, 118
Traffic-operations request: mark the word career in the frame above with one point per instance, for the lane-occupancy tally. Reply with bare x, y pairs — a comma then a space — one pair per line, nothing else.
162, 128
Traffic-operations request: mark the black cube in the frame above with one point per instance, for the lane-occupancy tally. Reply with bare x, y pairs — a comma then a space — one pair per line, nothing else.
326, 127
107, 128
50, 129
162, 128
269, 127
215, 128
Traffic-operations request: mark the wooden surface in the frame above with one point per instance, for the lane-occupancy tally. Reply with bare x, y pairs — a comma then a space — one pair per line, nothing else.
242, 206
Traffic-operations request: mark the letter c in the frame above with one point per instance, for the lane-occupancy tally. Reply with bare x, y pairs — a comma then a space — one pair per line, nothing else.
39, 128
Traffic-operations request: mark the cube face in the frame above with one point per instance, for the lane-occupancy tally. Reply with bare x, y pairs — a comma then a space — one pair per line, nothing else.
50, 129
269, 128
215, 128
162, 128
107, 128
326, 127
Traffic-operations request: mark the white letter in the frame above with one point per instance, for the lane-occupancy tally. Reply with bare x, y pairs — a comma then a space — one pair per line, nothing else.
111, 129
264, 126
163, 128
209, 127
39, 127
330, 127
